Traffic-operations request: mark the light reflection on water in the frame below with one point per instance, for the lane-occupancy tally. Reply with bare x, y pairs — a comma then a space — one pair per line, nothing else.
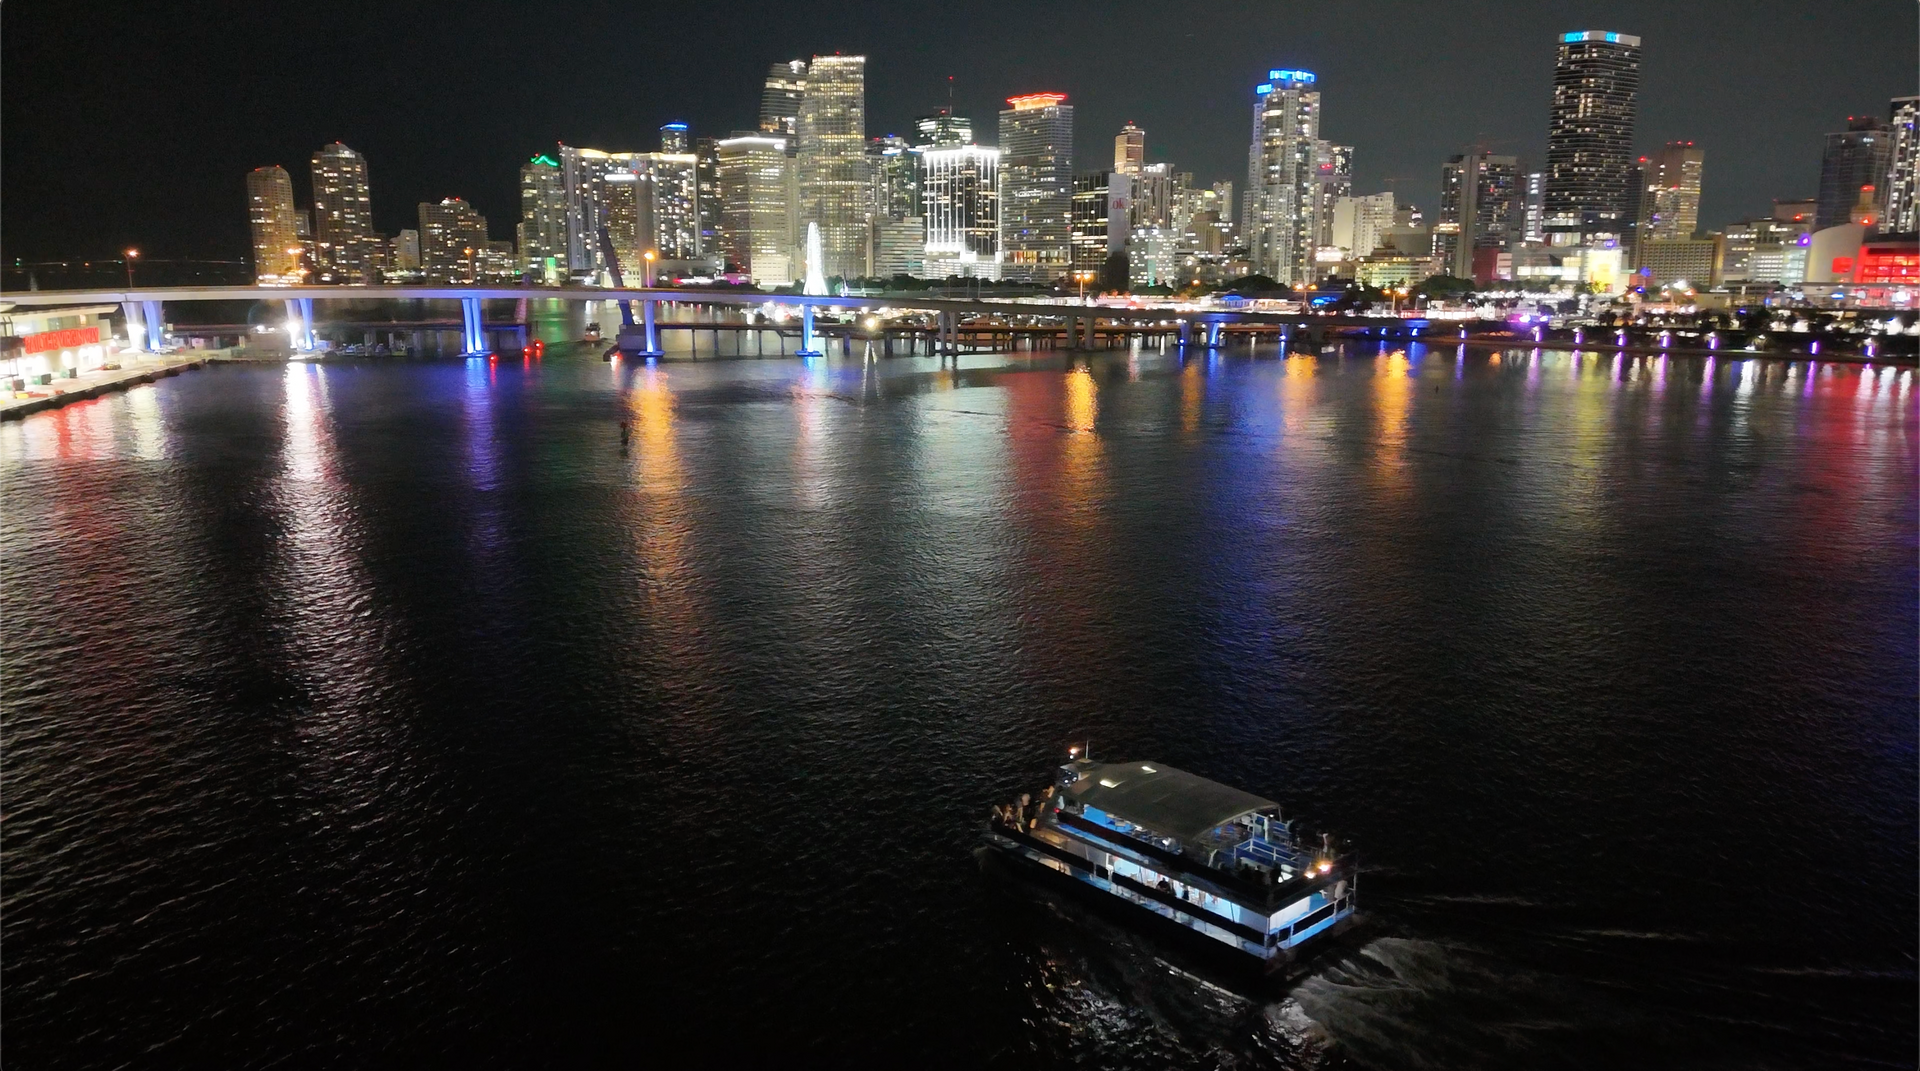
451, 725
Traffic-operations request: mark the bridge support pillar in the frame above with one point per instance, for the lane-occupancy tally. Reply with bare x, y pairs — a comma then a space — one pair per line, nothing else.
157, 323
649, 330
1086, 343
809, 347
473, 334
1186, 333
300, 324
1213, 334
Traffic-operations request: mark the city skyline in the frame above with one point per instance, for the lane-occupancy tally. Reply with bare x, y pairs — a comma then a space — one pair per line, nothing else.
1194, 117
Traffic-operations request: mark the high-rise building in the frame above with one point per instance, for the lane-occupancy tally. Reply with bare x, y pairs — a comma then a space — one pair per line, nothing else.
645, 200
780, 100
342, 216
1902, 198
1359, 223
453, 241
1596, 89
1224, 191
1036, 187
833, 160
1154, 194
941, 129
896, 246
1102, 217
674, 139
543, 212
406, 250
1129, 149
757, 207
1281, 220
1480, 209
706, 171
895, 172
1151, 258
959, 184
1333, 169
1533, 227
1858, 156
275, 224
1667, 193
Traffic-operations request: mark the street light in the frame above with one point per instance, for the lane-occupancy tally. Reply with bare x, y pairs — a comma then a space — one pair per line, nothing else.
132, 255
647, 275
1083, 278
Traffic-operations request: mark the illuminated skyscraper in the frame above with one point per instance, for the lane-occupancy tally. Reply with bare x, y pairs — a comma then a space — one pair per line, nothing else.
959, 184
1036, 187
275, 224
1481, 208
1533, 227
1903, 200
646, 200
1129, 150
543, 212
342, 216
757, 207
780, 100
895, 174
1281, 220
453, 241
833, 160
1333, 168
673, 139
942, 128
1102, 203
1858, 156
1667, 191
1596, 88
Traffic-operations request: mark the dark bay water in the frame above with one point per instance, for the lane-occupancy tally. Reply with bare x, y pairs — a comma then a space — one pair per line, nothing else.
358, 713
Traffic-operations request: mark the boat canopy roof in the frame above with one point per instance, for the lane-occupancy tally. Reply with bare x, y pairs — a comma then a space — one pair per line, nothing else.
1168, 801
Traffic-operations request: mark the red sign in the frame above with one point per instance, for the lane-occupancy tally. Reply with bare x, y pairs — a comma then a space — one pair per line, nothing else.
60, 340
1842, 265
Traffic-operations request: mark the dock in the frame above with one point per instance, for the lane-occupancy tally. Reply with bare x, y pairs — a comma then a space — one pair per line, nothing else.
17, 404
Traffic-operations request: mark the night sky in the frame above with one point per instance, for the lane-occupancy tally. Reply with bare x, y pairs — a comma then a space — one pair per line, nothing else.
135, 124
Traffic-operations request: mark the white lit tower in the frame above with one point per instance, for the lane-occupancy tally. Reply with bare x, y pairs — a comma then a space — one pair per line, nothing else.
831, 129
1281, 221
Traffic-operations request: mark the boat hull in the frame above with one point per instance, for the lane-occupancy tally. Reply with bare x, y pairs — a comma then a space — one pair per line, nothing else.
1186, 925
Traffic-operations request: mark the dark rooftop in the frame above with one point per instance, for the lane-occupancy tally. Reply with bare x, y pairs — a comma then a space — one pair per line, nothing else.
1171, 802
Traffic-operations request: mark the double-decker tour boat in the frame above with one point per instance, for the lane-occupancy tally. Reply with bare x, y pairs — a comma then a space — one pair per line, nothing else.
1222, 863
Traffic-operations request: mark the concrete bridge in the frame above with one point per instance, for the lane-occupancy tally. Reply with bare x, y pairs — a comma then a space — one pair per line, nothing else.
947, 317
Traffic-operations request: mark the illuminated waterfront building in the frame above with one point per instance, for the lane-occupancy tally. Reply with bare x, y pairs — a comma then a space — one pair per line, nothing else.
1480, 209
757, 205
1129, 150
780, 99
655, 196
1902, 198
1102, 211
1333, 169
1667, 187
1036, 187
896, 246
942, 129
1859, 156
895, 173
674, 139
959, 185
1596, 88
542, 232
342, 216
453, 241
1359, 223
831, 130
706, 170
1533, 227
1151, 259
274, 223
1281, 220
